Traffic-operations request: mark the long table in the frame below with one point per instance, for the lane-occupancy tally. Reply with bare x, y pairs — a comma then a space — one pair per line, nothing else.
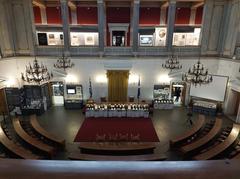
117, 110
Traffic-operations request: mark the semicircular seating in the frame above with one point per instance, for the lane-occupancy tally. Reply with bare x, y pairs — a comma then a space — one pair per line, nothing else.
215, 130
199, 124
41, 131
14, 148
222, 146
30, 140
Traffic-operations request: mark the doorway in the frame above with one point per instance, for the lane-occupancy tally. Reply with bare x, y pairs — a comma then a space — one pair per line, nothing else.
57, 93
178, 93
117, 85
118, 38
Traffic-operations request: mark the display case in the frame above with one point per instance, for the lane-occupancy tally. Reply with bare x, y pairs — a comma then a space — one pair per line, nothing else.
152, 36
84, 38
45, 38
14, 100
161, 91
36, 99
73, 98
205, 107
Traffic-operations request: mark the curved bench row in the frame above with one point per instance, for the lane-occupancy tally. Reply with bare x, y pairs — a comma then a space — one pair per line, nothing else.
216, 129
199, 124
218, 149
121, 148
14, 148
41, 131
30, 140
89, 157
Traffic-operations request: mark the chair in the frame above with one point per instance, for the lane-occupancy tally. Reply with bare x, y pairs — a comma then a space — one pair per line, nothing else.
131, 98
103, 99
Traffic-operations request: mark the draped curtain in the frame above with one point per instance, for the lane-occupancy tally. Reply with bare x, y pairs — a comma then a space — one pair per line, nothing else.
117, 85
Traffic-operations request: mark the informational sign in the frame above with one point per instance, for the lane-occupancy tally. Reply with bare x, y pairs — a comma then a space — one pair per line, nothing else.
187, 38
84, 38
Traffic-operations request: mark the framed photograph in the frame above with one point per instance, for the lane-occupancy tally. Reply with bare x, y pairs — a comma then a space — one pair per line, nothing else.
89, 39
160, 36
146, 40
51, 36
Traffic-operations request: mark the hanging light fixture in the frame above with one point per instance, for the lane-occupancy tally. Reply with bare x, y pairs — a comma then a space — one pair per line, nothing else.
172, 63
64, 63
197, 75
36, 73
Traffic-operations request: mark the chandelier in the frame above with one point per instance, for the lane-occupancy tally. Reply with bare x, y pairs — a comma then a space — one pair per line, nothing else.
197, 75
172, 63
63, 62
36, 73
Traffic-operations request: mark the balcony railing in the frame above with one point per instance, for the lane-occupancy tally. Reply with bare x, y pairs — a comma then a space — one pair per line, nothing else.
214, 169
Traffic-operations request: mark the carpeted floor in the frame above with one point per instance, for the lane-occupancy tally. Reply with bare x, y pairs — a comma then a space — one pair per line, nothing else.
95, 129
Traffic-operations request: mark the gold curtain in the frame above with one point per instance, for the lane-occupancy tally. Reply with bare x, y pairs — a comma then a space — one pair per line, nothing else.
117, 85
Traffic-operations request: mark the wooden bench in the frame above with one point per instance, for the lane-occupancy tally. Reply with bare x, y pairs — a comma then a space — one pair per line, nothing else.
196, 128
30, 140
205, 139
117, 148
15, 149
36, 126
216, 150
237, 157
89, 157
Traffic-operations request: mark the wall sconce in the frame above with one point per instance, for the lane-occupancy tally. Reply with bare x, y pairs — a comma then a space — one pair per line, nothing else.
101, 79
71, 79
164, 79
133, 79
11, 82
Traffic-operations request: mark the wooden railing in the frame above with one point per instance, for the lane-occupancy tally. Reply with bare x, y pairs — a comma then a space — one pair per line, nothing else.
22, 169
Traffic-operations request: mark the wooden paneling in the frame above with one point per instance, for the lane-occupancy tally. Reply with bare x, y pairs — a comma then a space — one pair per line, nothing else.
87, 15
37, 15
182, 15
3, 104
149, 16
199, 14
216, 169
54, 15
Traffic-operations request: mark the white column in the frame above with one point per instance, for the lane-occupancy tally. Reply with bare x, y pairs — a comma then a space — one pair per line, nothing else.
43, 15
163, 15
74, 16
192, 16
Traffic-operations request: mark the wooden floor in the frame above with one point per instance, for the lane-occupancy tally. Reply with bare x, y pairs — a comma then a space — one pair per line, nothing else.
168, 125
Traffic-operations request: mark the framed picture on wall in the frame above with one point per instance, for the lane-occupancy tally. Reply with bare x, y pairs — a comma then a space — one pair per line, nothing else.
160, 37
89, 39
146, 40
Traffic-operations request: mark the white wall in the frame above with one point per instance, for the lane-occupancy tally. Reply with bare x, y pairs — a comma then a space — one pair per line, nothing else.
149, 69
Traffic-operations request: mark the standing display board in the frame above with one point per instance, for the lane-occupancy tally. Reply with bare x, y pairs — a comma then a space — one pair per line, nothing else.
214, 91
